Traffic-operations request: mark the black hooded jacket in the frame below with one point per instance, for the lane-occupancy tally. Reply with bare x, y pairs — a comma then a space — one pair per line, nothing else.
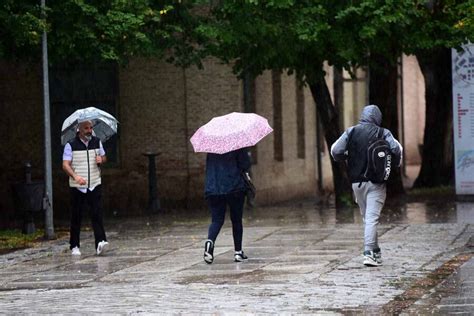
353, 143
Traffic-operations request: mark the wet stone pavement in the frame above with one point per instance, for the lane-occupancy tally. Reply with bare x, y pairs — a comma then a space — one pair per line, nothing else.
303, 260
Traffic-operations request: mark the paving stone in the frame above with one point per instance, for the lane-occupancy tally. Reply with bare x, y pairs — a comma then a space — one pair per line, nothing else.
302, 261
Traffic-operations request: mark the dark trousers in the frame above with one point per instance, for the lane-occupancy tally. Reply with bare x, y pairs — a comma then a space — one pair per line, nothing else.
218, 205
79, 201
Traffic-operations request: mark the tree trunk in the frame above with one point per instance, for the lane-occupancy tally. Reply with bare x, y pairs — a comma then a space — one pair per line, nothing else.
329, 117
437, 156
383, 93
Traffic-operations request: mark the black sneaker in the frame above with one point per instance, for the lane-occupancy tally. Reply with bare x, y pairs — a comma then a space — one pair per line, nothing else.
370, 259
240, 256
209, 251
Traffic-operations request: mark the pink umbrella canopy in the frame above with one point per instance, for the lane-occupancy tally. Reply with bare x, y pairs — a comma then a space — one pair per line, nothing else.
230, 132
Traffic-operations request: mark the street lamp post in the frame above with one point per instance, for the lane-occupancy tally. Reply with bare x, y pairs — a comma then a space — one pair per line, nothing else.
48, 179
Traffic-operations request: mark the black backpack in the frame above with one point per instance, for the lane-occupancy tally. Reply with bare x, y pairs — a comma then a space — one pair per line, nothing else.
379, 159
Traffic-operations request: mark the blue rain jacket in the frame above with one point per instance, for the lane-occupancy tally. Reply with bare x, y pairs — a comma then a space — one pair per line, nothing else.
224, 172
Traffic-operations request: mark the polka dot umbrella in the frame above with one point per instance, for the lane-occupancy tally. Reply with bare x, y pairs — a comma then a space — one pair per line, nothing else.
230, 132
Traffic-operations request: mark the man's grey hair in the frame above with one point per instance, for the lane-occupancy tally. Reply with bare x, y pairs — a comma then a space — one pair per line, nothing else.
82, 122
86, 121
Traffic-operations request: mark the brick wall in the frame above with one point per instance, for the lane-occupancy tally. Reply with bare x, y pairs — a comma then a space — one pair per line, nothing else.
292, 177
160, 107
21, 129
172, 104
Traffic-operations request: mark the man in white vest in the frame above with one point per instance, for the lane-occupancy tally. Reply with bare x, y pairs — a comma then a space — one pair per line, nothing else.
82, 159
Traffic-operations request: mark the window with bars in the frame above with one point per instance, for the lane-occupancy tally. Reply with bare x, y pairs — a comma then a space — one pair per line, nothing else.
80, 86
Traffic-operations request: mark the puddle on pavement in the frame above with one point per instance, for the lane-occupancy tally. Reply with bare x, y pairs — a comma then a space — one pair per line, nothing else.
416, 213
302, 214
407, 213
251, 277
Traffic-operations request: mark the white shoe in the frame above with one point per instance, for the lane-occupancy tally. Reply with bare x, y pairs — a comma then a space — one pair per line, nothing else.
75, 251
101, 247
209, 251
240, 256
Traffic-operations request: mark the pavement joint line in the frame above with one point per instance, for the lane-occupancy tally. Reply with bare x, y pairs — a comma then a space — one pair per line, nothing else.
132, 265
441, 255
178, 285
424, 285
269, 234
83, 257
333, 264
455, 305
322, 239
32, 273
458, 250
466, 227
402, 227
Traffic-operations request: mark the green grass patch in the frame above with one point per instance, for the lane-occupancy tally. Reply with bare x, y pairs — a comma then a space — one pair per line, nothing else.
12, 239
346, 200
435, 191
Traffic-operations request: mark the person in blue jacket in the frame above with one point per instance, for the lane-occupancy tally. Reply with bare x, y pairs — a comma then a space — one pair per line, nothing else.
225, 186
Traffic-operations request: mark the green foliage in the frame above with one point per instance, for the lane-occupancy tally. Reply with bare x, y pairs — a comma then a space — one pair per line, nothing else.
14, 239
439, 191
346, 200
20, 28
294, 35
409, 26
254, 35
91, 30
378, 26
441, 26
299, 35
117, 29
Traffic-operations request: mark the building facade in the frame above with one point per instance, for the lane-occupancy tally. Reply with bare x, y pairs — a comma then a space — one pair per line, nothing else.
160, 106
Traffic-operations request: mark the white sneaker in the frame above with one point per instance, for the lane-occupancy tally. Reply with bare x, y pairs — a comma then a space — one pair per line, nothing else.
240, 256
101, 247
75, 251
209, 251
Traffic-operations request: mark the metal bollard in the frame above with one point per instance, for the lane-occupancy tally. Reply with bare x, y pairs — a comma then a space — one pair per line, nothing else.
28, 224
27, 172
153, 199
28, 198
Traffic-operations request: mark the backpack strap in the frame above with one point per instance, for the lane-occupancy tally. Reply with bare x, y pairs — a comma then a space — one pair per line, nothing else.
380, 133
349, 138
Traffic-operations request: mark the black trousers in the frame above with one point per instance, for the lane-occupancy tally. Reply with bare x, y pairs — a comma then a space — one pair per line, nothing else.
218, 205
79, 201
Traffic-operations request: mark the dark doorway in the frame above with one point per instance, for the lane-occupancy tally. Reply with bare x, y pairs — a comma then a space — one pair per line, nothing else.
78, 86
